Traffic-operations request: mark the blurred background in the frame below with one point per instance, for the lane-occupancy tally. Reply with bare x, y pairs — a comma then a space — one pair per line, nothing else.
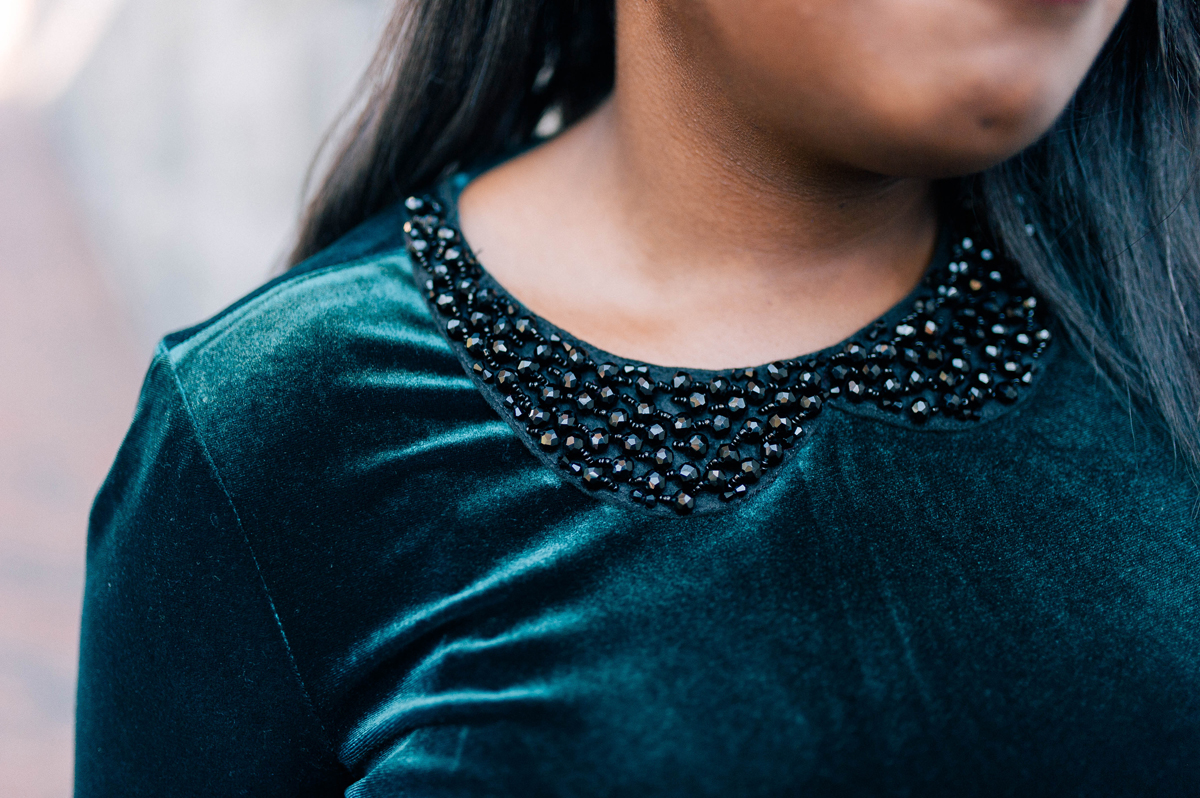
151, 160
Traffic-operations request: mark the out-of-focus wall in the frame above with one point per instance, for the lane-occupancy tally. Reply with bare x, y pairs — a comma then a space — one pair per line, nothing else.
151, 158
188, 134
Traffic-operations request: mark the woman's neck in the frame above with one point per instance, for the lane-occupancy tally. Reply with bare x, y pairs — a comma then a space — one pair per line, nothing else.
674, 227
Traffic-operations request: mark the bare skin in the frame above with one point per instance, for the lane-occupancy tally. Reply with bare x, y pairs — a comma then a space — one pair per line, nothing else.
759, 185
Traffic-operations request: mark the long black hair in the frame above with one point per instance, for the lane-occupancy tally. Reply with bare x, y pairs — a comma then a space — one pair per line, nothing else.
1103, 213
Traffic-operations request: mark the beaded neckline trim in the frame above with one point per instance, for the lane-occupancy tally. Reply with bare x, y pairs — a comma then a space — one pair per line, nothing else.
964, 345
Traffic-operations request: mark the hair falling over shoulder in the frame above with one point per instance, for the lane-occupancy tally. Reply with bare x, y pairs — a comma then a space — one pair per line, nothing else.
1102, 213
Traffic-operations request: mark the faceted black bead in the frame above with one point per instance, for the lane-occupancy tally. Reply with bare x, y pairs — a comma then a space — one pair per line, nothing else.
884, 352
644, 387
780, 423
976, 395
718, 387
953, 403
840, 372
539, 417
507, 380
1007, 393
644, 410
753, 429
714, 478
855, 352
569, 380
778, 372
664, 457
681, 382
872, 371
607, 396
721, 423
456, 329
593, 476
736, 405
618, 420
479, 320
916, 379
811, 404
772, 453
445, 303
574, 442
856, 389
920, 410
892, 387
911, 356
734, 492
525, 327
549, 440
689, 474
681, 424
728, 455
683, 503
983, 378
655, 481
543, 353
697, 400
502, 326
696, 446
598, 440
632, 443
756, 391
607, 371
585, 401
905, 330
622, 468
751, 470
656, 433
482, 372
566, 420
785, 398
501, 350
526, 367
578, 357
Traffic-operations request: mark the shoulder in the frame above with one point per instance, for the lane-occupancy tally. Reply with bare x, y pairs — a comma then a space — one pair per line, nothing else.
340, 353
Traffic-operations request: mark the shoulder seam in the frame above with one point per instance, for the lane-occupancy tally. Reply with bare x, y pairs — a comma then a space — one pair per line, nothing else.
163, 352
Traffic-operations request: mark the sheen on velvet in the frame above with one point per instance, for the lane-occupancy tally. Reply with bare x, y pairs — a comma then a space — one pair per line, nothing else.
322, 564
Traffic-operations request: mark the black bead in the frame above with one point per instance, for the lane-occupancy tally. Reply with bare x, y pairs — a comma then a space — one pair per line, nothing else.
811, 404
856, 390
607, 371
718, 387
598, 440
644, 387
566, 420
734, 492
607, 396
501, 350
681, 382
753, 429
549, 439
683, 503
574, 442
526, 367
656, 433
632, 443
751, 470
539, 417
778, 372
456, 329
585, 401
622, 468
728, 455
697, 400
785, 398
543, 353
840, 372
756, 391
1007, 393
920, 410
664, 457
697, 446
655, 481
780, 423
689, 474
681, 424
593, 476
772, 453
569, 380
618, 420
507, 380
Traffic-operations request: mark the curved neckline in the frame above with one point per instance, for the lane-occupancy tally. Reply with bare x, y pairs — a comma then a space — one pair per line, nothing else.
450, 189
960, 349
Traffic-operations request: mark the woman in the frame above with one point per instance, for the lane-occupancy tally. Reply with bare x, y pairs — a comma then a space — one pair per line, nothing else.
488, 496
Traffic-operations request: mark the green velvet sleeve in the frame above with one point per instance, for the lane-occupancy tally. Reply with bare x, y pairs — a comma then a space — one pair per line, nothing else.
187, 684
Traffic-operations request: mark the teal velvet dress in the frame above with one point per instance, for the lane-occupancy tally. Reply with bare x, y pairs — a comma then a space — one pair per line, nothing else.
376, 530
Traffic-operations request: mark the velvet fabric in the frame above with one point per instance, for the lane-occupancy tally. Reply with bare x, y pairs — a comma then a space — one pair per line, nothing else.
322, 564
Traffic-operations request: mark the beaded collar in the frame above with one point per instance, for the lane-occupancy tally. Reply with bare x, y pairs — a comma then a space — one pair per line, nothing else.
955, 352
